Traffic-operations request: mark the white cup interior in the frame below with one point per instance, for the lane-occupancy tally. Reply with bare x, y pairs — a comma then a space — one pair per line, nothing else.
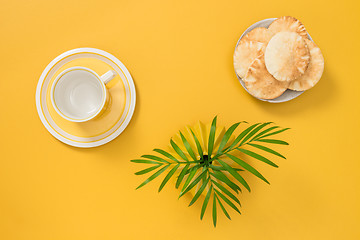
78, 94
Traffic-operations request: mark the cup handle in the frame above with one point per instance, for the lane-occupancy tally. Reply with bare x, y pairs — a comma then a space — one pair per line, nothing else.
108, 76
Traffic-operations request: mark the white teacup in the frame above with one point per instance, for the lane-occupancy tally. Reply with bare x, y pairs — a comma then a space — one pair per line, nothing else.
79, 94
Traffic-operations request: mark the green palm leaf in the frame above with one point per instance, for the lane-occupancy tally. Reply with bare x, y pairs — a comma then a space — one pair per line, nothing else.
212, 137
178, 150
247, 167
156, 158
273, 141
198, 193
223, 178
145, 161
253, 132
182, 175
266, 149
168, 176
193, 183
235, 174
241, 135
264, 132
223, 208
219, 168
227, 201
189, 178
273, 133
166, 154
226, 137
152, 177
147, 170
257, 156
205, 203
227, 192
197, 166
198, 146
188, 147
214, 213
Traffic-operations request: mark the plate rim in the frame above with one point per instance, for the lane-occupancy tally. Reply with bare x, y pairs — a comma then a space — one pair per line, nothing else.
240, 79
113, 135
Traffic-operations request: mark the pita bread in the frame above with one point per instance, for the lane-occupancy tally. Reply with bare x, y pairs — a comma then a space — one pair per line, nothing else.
244, 54
314, 71
287, 24
287, 56
259, 34
260, 83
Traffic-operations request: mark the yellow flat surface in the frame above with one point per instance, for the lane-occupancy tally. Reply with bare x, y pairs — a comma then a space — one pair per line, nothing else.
180, 56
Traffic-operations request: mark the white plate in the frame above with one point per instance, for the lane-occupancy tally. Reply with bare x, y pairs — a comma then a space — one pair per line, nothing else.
288, 94
115, 128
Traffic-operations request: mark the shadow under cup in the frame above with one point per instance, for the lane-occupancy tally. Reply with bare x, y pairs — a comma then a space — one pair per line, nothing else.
78, 95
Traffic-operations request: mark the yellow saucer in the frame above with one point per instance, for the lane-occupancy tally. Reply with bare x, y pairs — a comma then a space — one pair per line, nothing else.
111, 122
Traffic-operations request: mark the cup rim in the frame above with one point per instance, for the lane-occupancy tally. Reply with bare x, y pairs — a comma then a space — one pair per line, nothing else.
104, 95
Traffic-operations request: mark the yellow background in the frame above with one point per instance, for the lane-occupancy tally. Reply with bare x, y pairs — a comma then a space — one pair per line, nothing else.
180, 56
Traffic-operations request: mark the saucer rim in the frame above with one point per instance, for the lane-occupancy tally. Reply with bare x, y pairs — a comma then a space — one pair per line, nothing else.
112, 135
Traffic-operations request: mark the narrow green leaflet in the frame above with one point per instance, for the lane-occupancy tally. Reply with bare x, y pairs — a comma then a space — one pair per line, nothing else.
197, 166
147, 170
219, 168
214, 213
168, 176
198, 193
273, 133
205, 203
181, 175
266, 149
227, 192
235, 174
189, 178
222, 177
264, 132
227, 201
193, 183
241, 135
166, 154
156, 158
253, 132
226, 137
247, 167
223, 208
198, 146
274, 141
178, 150
145, 161
188, 147
212, 137
152, 177
257, 156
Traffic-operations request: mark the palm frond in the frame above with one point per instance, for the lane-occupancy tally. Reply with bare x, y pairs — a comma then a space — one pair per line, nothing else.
188, 147
226, 137
212, 137
182, 175
152, 177
168, 176
217, 173
198, 145
178, 150
166, 154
